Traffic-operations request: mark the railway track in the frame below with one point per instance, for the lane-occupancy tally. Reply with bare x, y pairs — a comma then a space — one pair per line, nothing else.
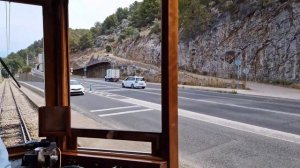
14, 130
2, 97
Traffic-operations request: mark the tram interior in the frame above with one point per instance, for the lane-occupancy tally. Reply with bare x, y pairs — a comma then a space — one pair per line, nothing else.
59, 144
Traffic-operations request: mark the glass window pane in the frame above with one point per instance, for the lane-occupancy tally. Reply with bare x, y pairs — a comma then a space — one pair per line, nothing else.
238, 65
115, 56
21, 48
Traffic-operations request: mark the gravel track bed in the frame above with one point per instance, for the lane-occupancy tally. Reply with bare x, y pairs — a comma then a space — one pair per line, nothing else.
9, 119
29, 112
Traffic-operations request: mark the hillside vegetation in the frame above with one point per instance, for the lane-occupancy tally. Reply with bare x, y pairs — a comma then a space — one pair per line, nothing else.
139, 14
262, 34
17, 61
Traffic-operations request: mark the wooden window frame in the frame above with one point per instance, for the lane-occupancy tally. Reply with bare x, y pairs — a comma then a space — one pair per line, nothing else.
56, 49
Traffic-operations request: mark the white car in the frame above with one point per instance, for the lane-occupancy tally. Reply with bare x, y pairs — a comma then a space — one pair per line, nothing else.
76, 88
134, 82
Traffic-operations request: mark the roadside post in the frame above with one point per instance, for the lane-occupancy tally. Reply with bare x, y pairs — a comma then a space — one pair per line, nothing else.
0, 73
246, 72
84, 69
238, 62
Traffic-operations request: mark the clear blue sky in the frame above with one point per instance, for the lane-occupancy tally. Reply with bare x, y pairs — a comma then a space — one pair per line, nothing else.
26, 20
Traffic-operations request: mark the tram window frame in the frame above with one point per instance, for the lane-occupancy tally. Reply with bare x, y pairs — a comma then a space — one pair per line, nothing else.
55, 27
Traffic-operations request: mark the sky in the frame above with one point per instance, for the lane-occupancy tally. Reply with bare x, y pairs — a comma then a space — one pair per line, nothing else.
26, 23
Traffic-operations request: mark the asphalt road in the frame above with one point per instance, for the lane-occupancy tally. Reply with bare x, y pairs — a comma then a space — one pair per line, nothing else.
215, 129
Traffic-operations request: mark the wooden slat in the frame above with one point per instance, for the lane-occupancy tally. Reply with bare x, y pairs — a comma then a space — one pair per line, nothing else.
108, 161
118, 135
52, 121
111, 153
16, 152
169, 140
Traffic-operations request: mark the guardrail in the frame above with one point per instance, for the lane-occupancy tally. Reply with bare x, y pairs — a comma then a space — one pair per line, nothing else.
35, 89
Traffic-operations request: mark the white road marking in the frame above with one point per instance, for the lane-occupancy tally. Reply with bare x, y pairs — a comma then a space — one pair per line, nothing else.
197, 89
102, 93
224, 122
101, 87
146, 91
231, 98
115, 108
148, 88
112, 90
125, 112
245, 107
288, 137
234, 105
242, 126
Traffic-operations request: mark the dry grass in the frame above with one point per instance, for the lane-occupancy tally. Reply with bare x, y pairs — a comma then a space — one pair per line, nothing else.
201, 80
295, 85
213, 82
153, 78
233, 92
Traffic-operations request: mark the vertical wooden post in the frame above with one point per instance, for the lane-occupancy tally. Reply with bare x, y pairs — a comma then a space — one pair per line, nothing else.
55, 16
169, 55
50, 55
55, 23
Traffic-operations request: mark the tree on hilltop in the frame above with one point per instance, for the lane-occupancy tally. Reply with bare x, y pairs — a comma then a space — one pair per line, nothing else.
145, 13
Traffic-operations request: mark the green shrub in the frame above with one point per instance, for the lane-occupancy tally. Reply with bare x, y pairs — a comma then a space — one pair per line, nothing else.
145, 13
111, 40
229, 6
233, 92
129, 32
26, 69
281, 82
121, 38
138, 72
108, 48
265, 3
205, 73
156, 29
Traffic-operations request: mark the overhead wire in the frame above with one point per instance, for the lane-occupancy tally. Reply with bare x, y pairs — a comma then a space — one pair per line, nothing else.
7, 26
9, 29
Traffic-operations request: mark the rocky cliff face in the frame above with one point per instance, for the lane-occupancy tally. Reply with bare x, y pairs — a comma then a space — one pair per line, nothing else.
145, 49
265, 41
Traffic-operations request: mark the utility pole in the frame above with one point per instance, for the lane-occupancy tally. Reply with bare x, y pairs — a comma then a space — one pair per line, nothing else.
0, 73
27, 62
85, 69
